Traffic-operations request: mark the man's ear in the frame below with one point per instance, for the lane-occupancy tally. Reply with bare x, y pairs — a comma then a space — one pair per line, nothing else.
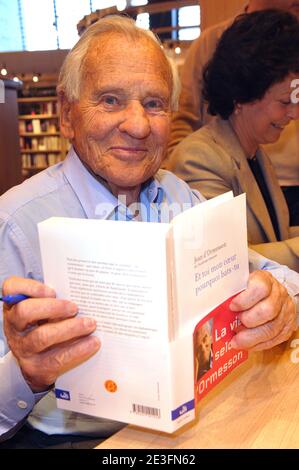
66, 127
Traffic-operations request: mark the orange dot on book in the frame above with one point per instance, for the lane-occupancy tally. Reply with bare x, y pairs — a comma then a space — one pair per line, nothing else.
110, 386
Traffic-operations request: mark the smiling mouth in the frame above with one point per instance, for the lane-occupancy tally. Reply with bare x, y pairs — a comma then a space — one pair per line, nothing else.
280, 127
129, 153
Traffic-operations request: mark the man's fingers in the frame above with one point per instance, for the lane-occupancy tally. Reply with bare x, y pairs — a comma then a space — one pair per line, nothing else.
259, 286
41, 334
31, 311
267, 309
50, 334
270, 333
19, 285
251, 337
49, 365
284, 335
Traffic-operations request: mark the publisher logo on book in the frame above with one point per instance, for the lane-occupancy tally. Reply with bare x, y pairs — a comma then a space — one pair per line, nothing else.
183, 409
2, 92
62, 394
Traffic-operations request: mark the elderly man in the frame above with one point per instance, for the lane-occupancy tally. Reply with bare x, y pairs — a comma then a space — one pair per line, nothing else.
192, 113
117, 91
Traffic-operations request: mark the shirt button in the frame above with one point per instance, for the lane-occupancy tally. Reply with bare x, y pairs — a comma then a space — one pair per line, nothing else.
22, 404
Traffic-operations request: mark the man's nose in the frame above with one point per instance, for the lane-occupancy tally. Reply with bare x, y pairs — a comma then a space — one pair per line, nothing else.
135, 121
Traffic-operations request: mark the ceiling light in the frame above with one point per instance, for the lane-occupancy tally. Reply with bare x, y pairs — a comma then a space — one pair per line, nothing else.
121, 5
137, 3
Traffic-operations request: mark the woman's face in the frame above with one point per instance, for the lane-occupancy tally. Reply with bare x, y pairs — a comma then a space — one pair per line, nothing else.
262, 121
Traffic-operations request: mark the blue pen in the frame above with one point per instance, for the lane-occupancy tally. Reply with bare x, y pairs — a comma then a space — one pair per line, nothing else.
13, 299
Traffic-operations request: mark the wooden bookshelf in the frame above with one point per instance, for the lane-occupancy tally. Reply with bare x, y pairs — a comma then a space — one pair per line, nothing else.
40, 99
37, 134
40, 141
38, 116
40, 151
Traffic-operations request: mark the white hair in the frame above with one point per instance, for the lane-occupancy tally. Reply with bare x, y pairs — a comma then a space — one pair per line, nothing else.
69, 81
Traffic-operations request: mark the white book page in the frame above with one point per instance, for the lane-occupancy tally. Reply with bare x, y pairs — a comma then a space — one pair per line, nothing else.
114, 271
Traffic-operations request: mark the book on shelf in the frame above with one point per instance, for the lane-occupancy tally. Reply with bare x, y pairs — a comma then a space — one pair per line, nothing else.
36, 126
22, 126
26, 161
37, 106
154, 290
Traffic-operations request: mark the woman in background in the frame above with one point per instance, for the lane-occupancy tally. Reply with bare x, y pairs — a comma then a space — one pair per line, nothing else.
249, 88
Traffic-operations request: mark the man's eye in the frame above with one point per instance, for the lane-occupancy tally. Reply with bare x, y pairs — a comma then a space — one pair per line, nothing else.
110, 100
155, 105
286, 103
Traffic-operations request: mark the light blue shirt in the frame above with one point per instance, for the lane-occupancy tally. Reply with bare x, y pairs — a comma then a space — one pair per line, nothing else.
69, 190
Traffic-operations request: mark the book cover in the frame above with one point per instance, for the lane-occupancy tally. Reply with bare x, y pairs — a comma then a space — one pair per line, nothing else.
214, 357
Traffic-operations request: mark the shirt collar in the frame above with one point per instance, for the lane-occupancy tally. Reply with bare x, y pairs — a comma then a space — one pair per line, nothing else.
96, 199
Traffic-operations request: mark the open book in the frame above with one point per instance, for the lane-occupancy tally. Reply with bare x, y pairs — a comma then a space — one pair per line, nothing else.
148, 285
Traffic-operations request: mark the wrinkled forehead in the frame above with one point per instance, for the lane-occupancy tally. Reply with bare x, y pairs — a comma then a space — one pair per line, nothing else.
109, 50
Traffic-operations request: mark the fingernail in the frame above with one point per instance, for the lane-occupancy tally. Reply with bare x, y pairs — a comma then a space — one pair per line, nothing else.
89, 323
71, 308
95, 342
49, 292
233, 307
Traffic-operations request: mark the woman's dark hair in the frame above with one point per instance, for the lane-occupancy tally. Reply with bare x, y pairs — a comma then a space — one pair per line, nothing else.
258, 50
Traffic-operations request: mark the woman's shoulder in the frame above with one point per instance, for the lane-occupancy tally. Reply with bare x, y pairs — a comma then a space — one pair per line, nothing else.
209, 140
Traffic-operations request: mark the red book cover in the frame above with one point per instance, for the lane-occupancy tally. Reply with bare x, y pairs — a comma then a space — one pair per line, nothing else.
214, 358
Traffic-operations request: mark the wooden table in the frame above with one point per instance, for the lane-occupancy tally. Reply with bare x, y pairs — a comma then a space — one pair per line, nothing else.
255, 407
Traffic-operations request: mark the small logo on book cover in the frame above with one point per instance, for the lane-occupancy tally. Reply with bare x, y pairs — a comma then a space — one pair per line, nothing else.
62, 394
181, 410
110, 386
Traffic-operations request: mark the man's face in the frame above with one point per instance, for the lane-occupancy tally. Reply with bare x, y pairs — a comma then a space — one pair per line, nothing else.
202, 346
120, 125
291, 6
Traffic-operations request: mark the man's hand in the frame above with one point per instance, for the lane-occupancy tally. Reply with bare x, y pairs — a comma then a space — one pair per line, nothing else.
267, 313
44, 333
